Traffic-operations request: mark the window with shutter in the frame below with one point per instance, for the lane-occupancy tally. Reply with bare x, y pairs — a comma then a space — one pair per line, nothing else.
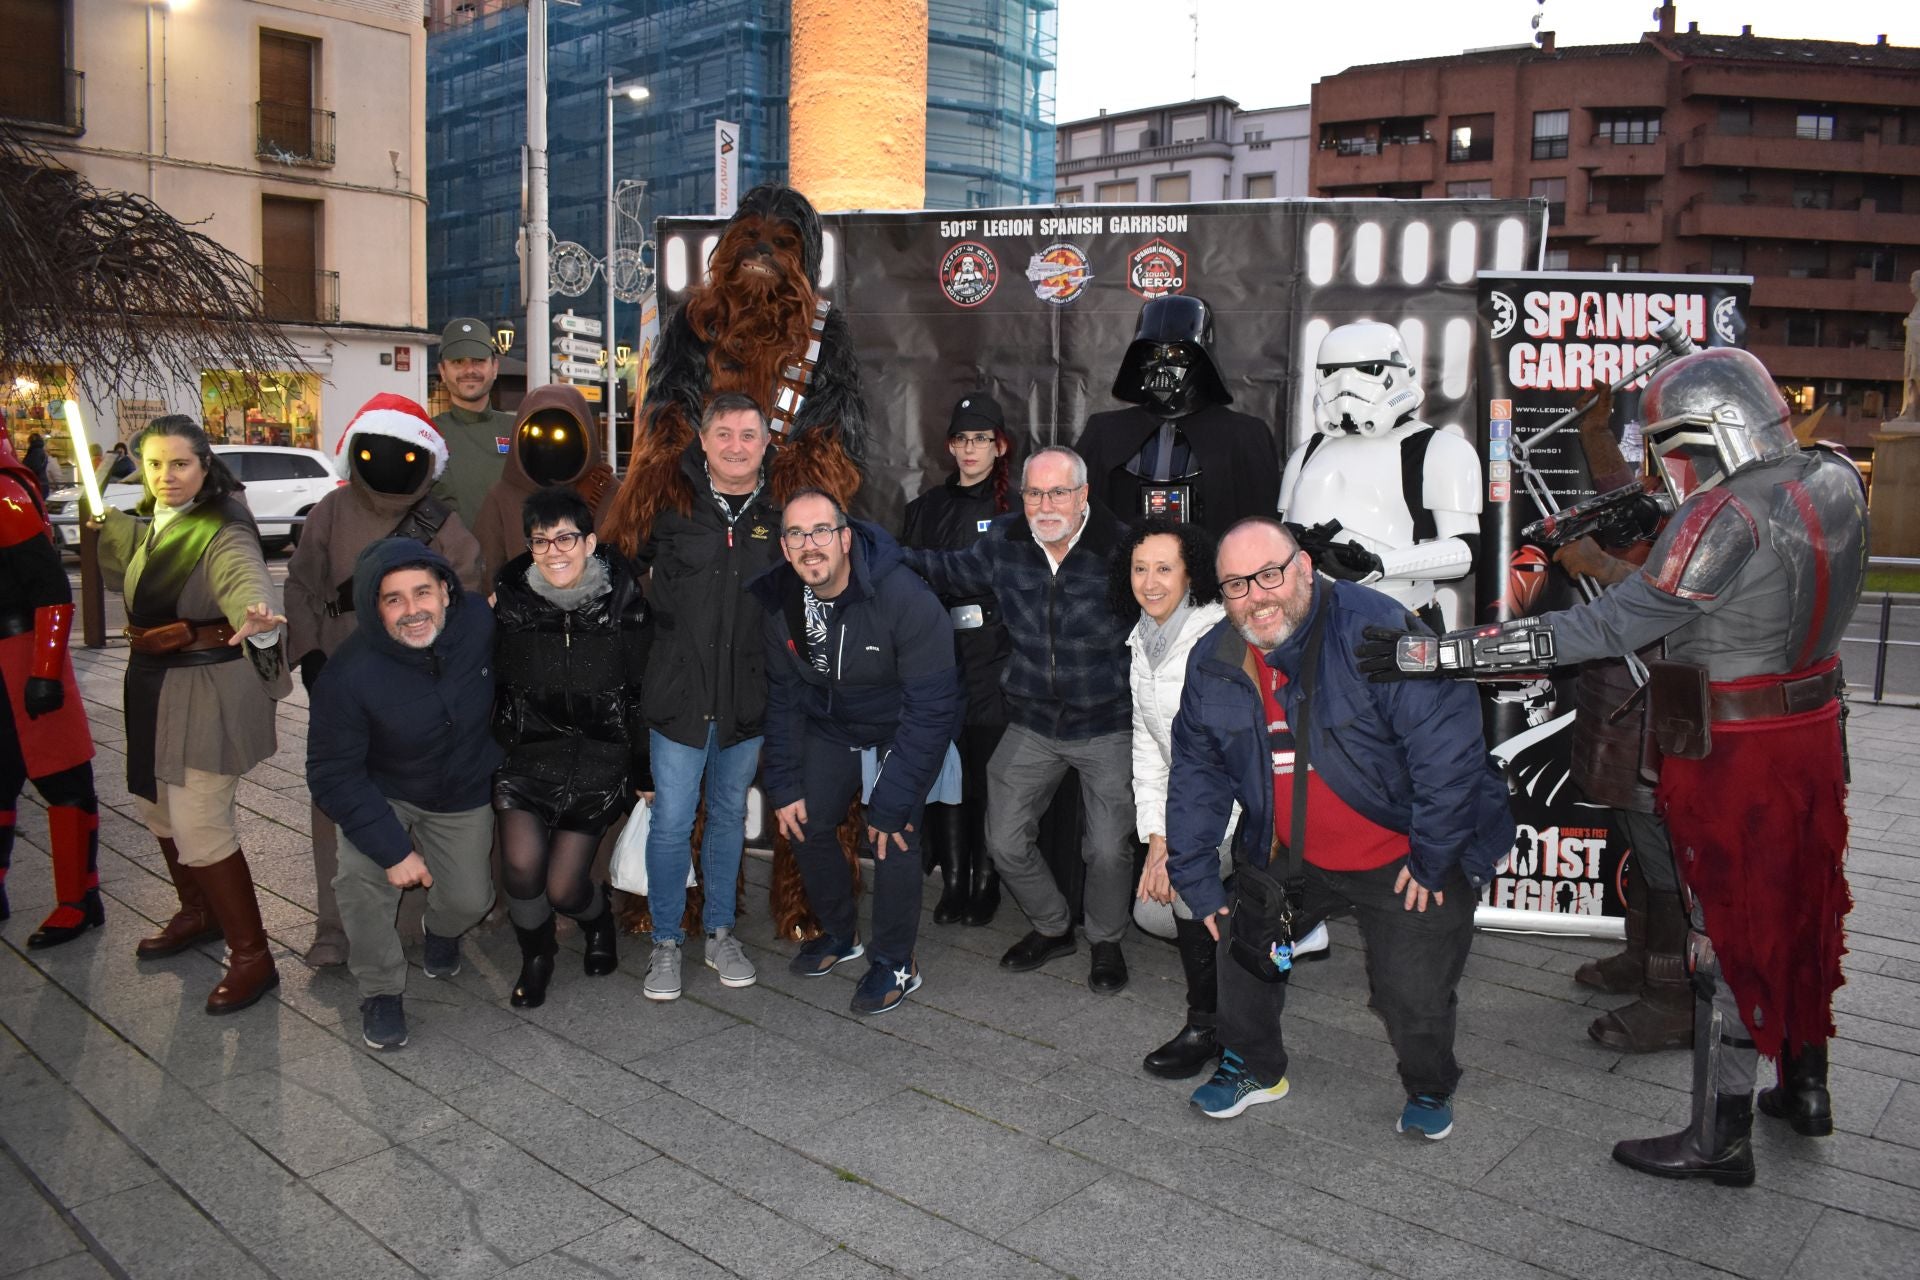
286, 94
289, 257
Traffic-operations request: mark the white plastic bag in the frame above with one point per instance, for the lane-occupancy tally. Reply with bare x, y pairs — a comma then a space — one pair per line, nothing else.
629, 866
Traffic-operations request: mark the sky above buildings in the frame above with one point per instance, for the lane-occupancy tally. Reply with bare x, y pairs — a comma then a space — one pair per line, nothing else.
1122, 54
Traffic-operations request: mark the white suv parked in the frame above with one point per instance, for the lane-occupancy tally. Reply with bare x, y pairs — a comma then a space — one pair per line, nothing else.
280, 481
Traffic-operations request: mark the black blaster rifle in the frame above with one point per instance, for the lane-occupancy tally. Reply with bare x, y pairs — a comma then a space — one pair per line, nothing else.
1617, 518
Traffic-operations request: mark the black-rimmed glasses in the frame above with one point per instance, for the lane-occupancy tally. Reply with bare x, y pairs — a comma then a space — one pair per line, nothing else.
817, 536
1270, 578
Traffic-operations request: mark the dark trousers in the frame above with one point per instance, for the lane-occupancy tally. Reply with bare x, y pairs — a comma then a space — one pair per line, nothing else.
1414, 960
831, 775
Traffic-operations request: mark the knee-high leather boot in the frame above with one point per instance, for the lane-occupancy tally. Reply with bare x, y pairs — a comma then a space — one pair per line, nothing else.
1717, 1144
1196, 1044
192, 924
953, 853
228, 886
1801, 1097
1624, 972
74, 833
983, 878
1662, 1018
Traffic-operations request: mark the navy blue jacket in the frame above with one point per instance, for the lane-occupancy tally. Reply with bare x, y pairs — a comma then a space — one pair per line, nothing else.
1067, 676
892, 679
392, 723
1408, 756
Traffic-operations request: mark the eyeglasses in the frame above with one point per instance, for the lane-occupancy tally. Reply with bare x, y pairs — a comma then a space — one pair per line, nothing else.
818, 536
1034, 497
1269, 578
561, 542
972, 439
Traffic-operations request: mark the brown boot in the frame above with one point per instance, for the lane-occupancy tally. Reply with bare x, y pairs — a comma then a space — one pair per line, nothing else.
1662, 1018
250, 973
193, 924
1624, 972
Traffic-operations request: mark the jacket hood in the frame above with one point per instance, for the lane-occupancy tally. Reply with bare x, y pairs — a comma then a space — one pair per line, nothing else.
375, 563
875, 555
562, 398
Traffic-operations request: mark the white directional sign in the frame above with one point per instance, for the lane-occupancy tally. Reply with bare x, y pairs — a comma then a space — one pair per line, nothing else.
585, 326
586, 349
577, 369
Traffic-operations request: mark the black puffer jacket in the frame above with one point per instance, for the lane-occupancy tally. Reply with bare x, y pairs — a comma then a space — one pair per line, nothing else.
708, 666
951, 518
568, 706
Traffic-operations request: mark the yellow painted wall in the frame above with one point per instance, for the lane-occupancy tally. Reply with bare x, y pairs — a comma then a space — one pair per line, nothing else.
858, 103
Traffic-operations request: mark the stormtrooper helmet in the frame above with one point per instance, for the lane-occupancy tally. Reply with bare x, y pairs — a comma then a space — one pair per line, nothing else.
1711, 414
1363, 382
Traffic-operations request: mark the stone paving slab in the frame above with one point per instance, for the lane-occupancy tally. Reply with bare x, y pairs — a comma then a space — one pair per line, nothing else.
996, 1126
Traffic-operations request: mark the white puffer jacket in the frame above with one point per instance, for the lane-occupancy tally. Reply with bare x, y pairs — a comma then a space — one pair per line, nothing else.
1156, 701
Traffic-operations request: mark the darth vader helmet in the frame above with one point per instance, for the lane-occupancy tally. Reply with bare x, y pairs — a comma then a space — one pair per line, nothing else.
1710, 415
1169, 365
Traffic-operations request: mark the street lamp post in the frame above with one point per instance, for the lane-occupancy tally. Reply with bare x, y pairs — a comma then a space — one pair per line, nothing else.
634, 92
538, 369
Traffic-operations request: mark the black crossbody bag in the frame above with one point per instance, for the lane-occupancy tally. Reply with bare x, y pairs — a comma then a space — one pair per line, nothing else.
1263, 905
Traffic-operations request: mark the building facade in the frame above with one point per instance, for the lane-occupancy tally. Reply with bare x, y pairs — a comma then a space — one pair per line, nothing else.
1205, 149
290, 131
1794, 161
989, 120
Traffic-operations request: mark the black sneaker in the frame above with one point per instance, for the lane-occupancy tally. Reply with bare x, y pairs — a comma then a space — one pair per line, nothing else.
885, 987
443, 956
383, 1023
1036, 949
818, 956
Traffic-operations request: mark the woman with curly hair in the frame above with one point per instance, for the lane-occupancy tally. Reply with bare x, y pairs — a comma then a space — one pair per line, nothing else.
946, 519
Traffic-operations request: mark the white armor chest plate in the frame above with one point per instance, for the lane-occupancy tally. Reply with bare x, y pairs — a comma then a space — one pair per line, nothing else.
1356, 480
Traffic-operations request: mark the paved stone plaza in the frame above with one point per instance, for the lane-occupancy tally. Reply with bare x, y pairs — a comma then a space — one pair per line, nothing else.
996, 1125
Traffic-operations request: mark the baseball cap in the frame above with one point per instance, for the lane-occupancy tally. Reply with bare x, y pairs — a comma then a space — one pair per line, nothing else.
465, 338
977, 411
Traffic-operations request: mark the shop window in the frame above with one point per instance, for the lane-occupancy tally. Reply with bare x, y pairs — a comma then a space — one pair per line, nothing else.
276, 408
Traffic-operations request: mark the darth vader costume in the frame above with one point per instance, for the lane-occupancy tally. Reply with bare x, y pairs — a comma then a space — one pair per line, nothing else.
1179, 451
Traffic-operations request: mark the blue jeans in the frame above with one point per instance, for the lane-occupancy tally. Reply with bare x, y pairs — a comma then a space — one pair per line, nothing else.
677, 771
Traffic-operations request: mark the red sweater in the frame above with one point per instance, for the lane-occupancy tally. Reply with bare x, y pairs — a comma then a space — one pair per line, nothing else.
1338, 838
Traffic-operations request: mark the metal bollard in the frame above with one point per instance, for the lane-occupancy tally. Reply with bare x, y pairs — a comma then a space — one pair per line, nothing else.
93, 591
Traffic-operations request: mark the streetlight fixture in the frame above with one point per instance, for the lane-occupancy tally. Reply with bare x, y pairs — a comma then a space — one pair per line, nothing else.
503, 336
632, 91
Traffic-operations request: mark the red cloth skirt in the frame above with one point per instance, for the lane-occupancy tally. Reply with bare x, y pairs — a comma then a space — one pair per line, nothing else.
58, 740
1759, 838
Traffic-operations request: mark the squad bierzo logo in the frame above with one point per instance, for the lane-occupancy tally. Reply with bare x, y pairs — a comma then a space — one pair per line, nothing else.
968, 273
1156, 269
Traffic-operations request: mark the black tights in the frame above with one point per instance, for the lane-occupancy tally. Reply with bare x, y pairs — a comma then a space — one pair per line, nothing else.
550, 862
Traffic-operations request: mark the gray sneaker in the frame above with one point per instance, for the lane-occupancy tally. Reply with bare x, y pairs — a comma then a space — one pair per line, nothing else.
663, 972
726, 957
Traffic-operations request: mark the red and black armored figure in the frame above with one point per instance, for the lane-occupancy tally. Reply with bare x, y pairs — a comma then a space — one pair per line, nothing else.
1748, 590
43, 725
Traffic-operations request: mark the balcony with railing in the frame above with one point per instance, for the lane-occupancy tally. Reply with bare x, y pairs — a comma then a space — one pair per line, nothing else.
1856, 291
288, 133
43, 96
1363, 161
1836, 149
1755, 216
1624, 220
298, 296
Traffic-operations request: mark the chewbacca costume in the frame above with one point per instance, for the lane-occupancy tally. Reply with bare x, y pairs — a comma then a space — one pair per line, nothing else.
749, 321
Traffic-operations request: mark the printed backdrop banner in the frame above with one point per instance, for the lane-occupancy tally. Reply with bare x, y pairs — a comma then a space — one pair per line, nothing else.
1037, 305
1548, 341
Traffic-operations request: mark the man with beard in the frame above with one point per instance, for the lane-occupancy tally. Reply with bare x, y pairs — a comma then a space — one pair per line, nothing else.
399, 756
390, 455
863, 698
478, 435
1398, 818
1068, 702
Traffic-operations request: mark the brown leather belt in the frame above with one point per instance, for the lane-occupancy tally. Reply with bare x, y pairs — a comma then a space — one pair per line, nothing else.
179, 636
1770, 701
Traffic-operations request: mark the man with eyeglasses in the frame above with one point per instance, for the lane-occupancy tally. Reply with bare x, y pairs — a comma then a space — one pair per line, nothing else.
1068, 703
1404, 818
863, 698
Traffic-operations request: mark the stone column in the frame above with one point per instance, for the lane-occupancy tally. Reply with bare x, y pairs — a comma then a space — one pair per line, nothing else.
857, 136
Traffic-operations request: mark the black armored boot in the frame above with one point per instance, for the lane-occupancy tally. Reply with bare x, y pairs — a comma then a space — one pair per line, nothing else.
1717, 1143
1801, 1097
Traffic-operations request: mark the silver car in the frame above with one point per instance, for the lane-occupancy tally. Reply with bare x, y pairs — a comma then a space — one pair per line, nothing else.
279, 480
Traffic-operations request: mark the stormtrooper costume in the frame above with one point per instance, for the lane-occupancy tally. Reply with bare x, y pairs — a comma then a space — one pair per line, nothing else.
1407, 495
1750, 587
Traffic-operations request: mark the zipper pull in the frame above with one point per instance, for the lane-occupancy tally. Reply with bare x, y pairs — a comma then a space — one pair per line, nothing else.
729, 536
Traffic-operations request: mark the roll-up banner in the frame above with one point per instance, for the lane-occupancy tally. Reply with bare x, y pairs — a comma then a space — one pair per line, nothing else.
1548, 341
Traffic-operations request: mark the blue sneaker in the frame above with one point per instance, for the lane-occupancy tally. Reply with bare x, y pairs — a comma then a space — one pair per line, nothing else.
1427, 1115
818, 957
1233, 1089
383, 1022
885, 987
442, 958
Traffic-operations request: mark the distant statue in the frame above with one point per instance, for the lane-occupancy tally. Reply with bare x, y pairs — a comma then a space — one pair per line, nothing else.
1910, 369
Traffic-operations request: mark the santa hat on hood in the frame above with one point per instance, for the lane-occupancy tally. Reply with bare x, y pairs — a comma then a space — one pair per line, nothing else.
395, 416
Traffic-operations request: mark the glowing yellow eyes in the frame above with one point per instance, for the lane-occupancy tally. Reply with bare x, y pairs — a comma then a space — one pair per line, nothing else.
366, 455
534, 431
411, 455
559, 433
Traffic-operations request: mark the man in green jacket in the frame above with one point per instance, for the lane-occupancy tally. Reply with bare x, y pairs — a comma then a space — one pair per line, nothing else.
478, 435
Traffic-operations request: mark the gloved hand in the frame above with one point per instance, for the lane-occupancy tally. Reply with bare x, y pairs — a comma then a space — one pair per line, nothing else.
44, 696
310, 667
1348, 561
1383, 659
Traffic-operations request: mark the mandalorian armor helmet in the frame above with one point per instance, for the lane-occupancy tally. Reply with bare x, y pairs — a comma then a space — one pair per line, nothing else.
1364, 384
1169, 366
1711, 414
553, 447
389, 465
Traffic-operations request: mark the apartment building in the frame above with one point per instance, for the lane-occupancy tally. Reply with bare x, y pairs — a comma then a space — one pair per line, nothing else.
1203, 149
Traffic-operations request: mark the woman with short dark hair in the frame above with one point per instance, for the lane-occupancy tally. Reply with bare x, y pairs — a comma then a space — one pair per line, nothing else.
570, 644
197, 715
